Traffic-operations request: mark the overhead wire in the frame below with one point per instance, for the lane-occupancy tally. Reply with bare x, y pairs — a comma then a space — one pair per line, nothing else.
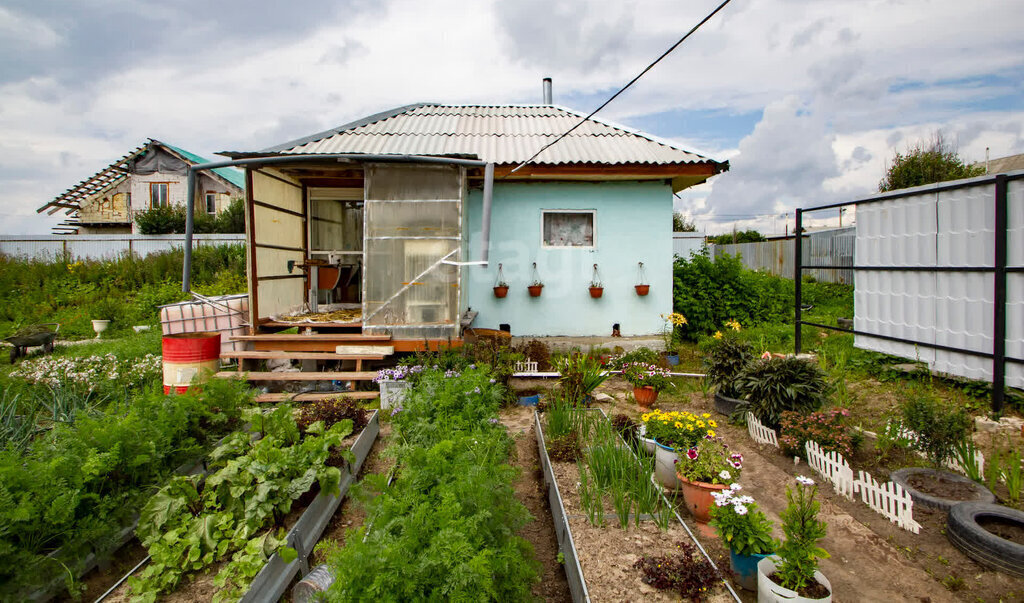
621, 90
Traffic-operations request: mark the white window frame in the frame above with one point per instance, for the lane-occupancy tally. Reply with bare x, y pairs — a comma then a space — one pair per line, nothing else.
167, 195
207, 198
544, 212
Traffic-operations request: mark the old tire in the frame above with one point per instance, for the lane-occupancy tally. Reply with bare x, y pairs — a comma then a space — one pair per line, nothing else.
726, 406
902, 477
966, 534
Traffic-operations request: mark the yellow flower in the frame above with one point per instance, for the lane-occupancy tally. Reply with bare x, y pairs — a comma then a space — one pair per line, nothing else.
712, 424
690, 427
700, 423
733, 324
711, 433
717, 335
706, 415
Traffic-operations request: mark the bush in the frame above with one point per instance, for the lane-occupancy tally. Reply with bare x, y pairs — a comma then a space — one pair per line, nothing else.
776, 385
940, 426
710, 293
828, 428
724, 360
168, 219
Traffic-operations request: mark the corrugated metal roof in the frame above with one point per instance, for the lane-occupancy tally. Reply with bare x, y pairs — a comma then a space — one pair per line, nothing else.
501, 134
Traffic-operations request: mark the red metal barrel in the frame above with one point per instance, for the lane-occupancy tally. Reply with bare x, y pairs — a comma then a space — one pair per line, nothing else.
186, 355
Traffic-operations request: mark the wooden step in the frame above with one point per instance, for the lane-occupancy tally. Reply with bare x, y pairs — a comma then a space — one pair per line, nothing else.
338, 337
349, 349
280, 355
299, 376
277, 324
314, 396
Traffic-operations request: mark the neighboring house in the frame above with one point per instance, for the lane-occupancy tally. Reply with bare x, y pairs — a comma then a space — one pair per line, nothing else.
394, 205
152, 175
1000, 165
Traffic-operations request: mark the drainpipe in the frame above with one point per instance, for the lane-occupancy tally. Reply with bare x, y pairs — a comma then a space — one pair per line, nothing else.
547, 91
190, 205
485, 227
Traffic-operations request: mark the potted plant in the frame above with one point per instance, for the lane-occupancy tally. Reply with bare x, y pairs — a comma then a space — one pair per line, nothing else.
501, 289
792, 575
395, 385
773, 386
535, 288
745, 530
642, 290
672, 321
725, 358
704, 469
642, 287
104, 311
671, 432
596, 288
647, 380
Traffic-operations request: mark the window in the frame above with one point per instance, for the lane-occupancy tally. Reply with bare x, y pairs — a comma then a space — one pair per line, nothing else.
157, 194
211, 203
568, 228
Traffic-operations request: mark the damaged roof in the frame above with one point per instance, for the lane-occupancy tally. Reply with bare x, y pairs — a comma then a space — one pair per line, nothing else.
500, 134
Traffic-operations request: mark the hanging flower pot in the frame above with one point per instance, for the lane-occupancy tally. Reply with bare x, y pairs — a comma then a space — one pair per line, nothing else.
643, 290
535, 289
642, 286
596, 288
596, 292
501, 291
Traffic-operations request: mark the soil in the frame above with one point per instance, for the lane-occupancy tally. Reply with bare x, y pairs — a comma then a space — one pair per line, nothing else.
811, 591
941, 487
529, 489
1014, 532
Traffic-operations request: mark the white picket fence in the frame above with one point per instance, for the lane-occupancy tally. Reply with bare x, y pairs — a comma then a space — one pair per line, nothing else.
832, 466
888, 499
527, 366
759, 433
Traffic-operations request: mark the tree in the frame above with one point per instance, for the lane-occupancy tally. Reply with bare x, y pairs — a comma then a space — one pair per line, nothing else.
743, 236
681, 224
925, 163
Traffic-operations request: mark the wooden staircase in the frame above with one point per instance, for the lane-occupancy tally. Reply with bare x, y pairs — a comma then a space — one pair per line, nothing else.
349, 350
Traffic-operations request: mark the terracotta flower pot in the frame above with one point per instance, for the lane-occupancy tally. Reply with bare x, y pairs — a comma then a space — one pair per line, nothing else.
642, 290
645, 396
596, 292
501, 291
534, 290
697, 496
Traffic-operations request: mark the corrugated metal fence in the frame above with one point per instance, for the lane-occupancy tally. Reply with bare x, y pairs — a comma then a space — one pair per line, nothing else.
96, 247
823, 248
685, 243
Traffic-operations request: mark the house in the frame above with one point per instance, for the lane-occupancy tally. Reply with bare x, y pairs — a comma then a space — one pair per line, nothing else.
152, 175
413, 215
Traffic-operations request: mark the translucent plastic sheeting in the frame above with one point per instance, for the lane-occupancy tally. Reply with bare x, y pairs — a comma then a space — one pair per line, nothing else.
336, 225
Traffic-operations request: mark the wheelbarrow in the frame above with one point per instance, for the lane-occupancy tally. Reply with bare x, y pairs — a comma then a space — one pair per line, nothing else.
32, 336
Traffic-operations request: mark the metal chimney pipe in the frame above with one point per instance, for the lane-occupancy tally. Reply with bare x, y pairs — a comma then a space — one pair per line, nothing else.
547, 91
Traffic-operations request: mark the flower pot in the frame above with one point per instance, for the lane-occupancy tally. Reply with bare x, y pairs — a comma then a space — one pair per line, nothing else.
393, 393
744, 569
770, 592
99, 326
596, 292
697, 496
534, 290
643, 290
649, 445
645, 396
529, 400
726, 406
672, 359
501, 291
665, 460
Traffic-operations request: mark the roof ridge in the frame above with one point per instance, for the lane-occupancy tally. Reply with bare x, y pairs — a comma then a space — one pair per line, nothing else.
636, 132
349, 126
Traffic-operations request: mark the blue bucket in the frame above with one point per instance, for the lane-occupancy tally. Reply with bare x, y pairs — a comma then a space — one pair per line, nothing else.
673, 359
745, 569
529, 400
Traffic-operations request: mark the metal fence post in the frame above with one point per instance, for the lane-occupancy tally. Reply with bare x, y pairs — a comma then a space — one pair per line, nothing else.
999, 299
797, 269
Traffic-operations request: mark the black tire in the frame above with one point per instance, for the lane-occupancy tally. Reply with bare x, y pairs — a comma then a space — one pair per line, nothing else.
966, 534
902, 477
726, 406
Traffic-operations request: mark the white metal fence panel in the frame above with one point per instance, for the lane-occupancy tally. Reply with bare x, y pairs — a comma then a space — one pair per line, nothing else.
832, 467
685, 243
102, 247
759, 433
823, 248
889, 500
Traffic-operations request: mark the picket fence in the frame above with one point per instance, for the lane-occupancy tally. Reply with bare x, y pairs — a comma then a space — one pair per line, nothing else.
759, 433
526, 366
832, 466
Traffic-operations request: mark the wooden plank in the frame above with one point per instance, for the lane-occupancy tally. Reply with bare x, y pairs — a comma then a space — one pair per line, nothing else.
420, 345
341, 337
279, 355
299, 376
313, 325
357, 349
313, 396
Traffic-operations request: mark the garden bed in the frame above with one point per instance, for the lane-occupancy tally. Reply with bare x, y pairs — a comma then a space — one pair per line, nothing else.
599, 561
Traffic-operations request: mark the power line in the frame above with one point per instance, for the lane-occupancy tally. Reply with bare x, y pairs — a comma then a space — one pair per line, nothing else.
621, 90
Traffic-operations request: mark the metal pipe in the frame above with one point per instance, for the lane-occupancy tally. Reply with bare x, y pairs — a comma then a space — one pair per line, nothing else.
547, 91
485, 226
999, 299
190, 204
797, 272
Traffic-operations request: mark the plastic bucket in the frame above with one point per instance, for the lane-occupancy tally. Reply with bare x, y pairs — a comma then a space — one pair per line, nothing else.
187, 355
745, 569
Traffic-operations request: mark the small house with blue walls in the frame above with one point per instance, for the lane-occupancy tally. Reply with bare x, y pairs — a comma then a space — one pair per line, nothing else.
411, 223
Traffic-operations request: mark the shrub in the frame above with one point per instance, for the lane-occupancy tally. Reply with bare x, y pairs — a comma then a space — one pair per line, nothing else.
743, 528
724, 360
691, 578
709, 293
167, 219
939, 426
642, 355
828, 428
776, 385
800, 551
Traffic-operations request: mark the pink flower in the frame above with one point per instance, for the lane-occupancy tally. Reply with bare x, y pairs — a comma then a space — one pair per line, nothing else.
691, 454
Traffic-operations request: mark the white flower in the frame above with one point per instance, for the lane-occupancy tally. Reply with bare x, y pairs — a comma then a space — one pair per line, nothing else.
806, 481
739, 509
736, 486
725, 474
746, 500
722, 498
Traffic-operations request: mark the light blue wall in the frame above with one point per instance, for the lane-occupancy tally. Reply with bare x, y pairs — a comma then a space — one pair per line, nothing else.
634, 224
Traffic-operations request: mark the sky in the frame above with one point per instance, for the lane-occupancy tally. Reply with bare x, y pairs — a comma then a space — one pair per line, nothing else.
806, 100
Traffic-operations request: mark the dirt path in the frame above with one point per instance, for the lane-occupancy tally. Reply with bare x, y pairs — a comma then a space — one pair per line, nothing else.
530, 491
